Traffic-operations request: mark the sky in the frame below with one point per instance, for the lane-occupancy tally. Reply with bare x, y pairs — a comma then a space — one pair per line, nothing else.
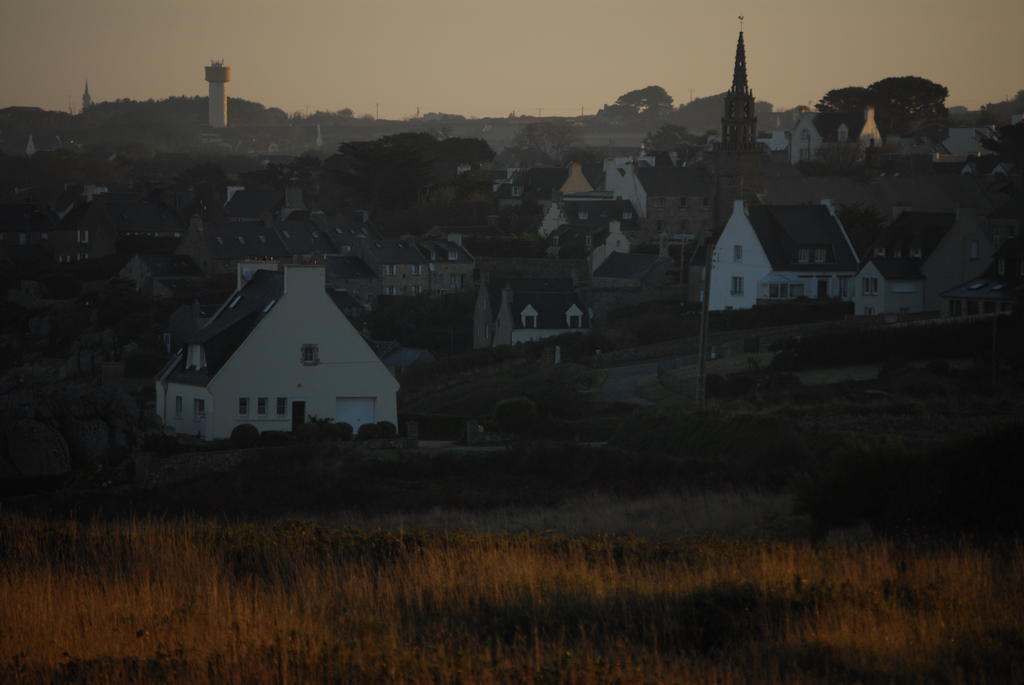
490, 58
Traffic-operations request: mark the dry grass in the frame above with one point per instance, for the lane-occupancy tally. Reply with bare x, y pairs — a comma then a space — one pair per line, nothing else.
208, 603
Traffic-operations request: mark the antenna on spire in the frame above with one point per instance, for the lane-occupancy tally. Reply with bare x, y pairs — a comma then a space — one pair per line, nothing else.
741, 22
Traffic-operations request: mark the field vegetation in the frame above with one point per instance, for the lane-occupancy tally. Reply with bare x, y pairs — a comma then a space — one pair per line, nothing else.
190, 601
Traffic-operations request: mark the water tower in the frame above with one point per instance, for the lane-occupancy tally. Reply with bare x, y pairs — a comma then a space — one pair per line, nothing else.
218, 75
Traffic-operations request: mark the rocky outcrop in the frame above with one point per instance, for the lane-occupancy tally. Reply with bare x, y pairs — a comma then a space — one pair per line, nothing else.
32, 449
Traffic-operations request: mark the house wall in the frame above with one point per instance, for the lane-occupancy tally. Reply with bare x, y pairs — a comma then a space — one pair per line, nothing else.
753, 267
268, 363
441, 273
667, 213
620, 178
797, 142
186, 423
951, 262
521, 335
404, 281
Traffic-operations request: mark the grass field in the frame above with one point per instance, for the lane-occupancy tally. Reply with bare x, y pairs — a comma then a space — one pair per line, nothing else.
192, 601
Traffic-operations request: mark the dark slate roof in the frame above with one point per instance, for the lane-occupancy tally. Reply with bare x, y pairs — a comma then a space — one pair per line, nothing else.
551, 297
170, 266
983, 288
622, 265
346, 232
783, 230
346, 267
300, 236
594, 174
222, 335
669, 181
253, 204
598, 212
544, 179
915, 231
244, 240
438, 251
828, 124
898, 268
23, 218
404, 357
343, 300
130, 213
396, 252
1011, 209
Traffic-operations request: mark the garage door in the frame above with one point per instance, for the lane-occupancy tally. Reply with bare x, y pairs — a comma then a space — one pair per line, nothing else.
355, 411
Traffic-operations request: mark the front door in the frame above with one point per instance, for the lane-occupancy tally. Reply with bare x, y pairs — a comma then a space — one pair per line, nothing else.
298, 413
822, 289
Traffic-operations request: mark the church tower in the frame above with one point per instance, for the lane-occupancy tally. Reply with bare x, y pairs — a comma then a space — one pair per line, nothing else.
86, 98
739, 125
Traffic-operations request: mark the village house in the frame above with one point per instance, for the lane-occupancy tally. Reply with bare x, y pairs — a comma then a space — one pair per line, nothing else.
919, 256
510, 311
276, 354
777, 253
401, 267
996, 290
162, 275
820, 132
449, 263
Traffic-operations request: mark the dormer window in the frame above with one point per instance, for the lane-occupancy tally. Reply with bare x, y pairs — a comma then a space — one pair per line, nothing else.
574, 317
241, 240
453, 255
589, 241
1001, 267
879, 251
915, 252
528, 317
819, 255
627, 214
804, 255
972, 250
517, 191
196, 357
843, 134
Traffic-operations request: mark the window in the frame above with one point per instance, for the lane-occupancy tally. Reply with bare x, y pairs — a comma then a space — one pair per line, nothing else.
626, 215
682, 203
972, 250
583, 214
737, 253
310, 355
1001, 267
879, 251
819, 255
178, 402
243, 406
574, 321
416, 290
804, 255
956, 308
455, 281
22, 239
915, 252
529, 321
869, 285
737, 285
199, 408
453, 255
261, 406
389, 269
282, 406
589, 241
390, 290
706, 201
415, 269
869, 311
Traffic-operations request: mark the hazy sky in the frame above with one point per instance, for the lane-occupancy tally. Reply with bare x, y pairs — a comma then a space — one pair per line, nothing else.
488, 58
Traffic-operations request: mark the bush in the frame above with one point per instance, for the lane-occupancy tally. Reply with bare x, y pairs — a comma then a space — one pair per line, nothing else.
270, 438
143, 364
343, 430
368, 431
388, 430
245, 435
516, 414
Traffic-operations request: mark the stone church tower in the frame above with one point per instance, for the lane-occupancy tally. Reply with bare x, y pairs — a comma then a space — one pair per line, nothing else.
86, 98
739, 125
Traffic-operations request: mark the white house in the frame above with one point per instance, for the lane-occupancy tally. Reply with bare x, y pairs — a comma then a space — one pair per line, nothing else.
776, 253
816, 130
278, 352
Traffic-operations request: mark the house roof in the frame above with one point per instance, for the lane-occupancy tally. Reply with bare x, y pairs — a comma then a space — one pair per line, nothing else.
983, 288
828, 124
253, 204
346, 267
626, 265
784, 230
131, 213
343, 300
23, 218
244, 240
300, 236
898, 268
170, 266
545, 180
597, 212
915, 231
396, 252
441, 251
673, 181
404, 357
1011, 209
550, 297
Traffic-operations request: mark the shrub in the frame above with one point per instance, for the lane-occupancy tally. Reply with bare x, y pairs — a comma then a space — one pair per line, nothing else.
516, 414
143, 363
388, 430
276, 437
343, 430
368, 431
245, 435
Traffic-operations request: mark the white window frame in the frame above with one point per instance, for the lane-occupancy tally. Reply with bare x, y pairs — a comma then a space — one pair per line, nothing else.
736, 288
243, 406
261, 406
309, 354
737, 253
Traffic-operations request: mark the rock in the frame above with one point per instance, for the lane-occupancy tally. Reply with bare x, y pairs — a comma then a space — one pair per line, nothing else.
33, 449
88, 441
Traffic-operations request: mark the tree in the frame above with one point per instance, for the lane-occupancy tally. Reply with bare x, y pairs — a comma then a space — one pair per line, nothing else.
849, 99
1009, 142
863, 224
902, 103
649, 100
671, 138
550, 137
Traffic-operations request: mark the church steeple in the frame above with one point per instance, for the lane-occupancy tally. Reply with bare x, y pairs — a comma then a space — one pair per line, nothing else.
739, 125
86, 98
739, 70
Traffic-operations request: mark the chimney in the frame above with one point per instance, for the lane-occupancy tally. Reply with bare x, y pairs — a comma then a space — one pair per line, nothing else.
506, 296
303, 280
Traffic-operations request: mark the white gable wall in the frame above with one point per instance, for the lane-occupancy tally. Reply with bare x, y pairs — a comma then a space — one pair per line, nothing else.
752, 267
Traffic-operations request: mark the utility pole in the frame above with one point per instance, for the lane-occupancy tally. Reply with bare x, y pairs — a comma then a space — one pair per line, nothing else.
377, 115
540, 110
704, 339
